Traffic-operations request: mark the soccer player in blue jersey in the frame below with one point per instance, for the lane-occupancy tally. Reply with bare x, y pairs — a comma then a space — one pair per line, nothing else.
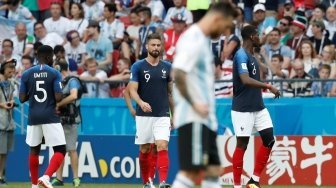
41, 86
151, 87
194, 98
248, 109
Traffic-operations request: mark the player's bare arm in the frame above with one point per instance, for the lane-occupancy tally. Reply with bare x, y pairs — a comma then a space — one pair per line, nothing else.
58, 97
170, 97
127, 97
181, 84
23, 97
247, 80
133, 88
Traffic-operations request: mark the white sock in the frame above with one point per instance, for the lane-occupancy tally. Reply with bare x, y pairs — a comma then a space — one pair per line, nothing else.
237, 186
182, 182
211, 183
35, 186
256, 178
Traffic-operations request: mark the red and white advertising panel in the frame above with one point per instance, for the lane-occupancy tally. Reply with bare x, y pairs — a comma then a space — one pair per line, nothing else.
295, 160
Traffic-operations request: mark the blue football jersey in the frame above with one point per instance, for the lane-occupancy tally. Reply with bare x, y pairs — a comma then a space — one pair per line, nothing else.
246, 98
40, 83
153, 86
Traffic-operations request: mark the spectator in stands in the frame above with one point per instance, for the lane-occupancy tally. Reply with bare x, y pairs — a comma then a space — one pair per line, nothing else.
263, 21
93, 10
7, 125
277, 72
222, 89
331, 21
148, 28
57, 23
275, 47
319, 38
59, 55
77, 21
27, 62
96, 77
39, 12
7, 52
23, 43
300, 89
307, 56
297, 30
217, 46
124, 74
16, 11
171, 36
75, 51
328, 57
239, 22
231, 45
156, 7
132, 37
51, 39
178, 9
112, 28
289, 9
67, 5
246, 6
99, 47
322, 88
283, 26
318, 15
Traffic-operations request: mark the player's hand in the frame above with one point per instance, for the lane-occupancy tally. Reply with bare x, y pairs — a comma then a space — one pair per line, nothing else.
275, 91
133, 112
201, 109
145, 107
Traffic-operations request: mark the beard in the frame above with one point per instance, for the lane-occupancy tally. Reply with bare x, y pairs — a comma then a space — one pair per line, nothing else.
154, 53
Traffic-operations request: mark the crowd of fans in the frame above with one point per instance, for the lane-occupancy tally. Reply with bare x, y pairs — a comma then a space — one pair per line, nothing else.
101, 39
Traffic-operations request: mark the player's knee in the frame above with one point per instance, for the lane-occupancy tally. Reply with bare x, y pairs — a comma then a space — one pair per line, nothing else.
267, 137
242, 142
145, 148
60, 149
163, 145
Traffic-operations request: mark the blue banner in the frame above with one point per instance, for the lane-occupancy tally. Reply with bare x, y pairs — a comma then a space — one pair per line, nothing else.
102, 159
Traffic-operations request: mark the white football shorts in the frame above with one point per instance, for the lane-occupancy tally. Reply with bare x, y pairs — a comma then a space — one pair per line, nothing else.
150, 129
53, 134
246, 123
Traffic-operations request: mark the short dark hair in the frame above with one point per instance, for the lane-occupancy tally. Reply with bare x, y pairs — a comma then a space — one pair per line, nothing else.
154, 36
146, 10
37, 45
321, 7
45, 52
58, 48
38, 23
8, 40
275, 29
279, 56
289, 19
63, 65
325, 66
248, 31
112, 7
31, 60
227, 9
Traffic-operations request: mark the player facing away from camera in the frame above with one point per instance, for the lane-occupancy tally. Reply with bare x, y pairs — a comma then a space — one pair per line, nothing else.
151, 87
41, 86
248, 110
194, 99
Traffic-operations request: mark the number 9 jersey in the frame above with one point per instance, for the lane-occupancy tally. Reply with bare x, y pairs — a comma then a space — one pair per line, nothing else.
40, 83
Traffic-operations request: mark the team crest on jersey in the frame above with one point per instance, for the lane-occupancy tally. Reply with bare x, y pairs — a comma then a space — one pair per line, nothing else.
164, 73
